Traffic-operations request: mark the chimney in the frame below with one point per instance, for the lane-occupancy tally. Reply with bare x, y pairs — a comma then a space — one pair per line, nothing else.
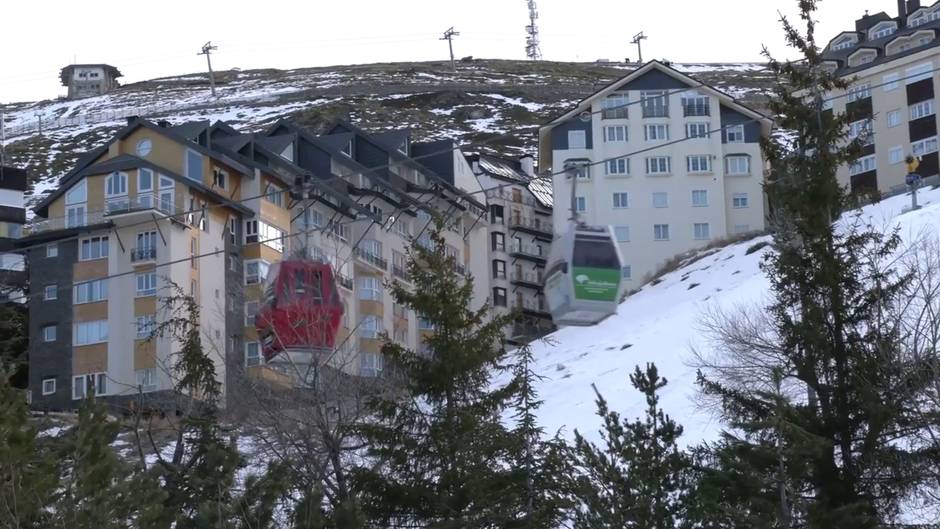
132, 119
902, 13
163, 124
912, 5
528, 165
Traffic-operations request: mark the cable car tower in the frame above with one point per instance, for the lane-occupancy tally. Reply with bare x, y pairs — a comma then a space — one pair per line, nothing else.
532, 49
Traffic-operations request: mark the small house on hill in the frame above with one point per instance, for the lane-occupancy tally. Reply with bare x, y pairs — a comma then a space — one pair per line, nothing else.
89, 80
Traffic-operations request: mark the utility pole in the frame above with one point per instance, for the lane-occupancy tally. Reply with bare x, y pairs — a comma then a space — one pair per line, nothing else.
449, 37
207, 50
638, 40
532, 49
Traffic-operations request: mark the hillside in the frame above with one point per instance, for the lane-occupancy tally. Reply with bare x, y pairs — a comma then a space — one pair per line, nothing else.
481, 101
663, 323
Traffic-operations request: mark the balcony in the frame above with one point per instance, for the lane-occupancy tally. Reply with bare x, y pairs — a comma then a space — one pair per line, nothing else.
113, 207
534, 226
140, 255
400, 272
533, 307
371, 258
529, 252
528, 280
503, 194
527, 331
345, 282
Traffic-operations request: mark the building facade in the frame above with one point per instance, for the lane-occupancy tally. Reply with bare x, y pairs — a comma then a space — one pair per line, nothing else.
209, 209
12, 218
89, 80
892, 64
520, 232
670, 163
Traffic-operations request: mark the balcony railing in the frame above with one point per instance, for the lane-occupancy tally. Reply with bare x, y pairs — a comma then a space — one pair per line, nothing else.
530, 278
533, 224
114, 206
345, 282
508, 196
371, 258
400, 272
147, 253
531, 305
528, 250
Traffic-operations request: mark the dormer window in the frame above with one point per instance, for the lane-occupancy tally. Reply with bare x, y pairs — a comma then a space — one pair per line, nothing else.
902, 44
861, 57
882, 30
288, 153
844, 43
347, 149
403, 148
919, 18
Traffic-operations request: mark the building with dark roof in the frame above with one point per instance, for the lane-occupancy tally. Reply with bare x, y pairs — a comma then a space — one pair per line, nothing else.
89, 80
892, 63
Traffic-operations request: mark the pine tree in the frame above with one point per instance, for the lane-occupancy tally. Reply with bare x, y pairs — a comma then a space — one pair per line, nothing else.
835, 433
439, 447
28, 475
637, 477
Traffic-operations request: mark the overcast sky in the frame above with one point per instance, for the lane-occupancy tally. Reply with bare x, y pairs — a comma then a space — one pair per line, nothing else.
153, 39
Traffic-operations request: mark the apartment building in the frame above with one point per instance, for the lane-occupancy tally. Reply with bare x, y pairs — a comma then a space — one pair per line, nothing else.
211, 209
520, 219
892, 64
12, 219
669, 162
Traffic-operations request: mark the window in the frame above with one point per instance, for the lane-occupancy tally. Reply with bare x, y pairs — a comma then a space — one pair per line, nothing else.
699, 163
75, 216
49, 333
739, 200
616, 133
251, 231
734, 134
115, 184
844, 43
660, 199
661, 232
146, 284
702, 232
499, 297
193, 165
655, 104
272, 237
219, 177
925, 146
146, 378
742, 228
370, 364
577, 139
340, 230
658, 165
894, 118
863, 165
89, 385
621, 200
626, 272
695, 105
496, 215
370, 288
90, 332
618, 167
859, 92
251, 310
50, 293
48, 386
696, 130
890, 81
622, 233
425, 324
738, 165
615, 107
896, 155
656, 132
861, 129
402, 226
252, 354
91, 291
146, 325
94, 248
699, 198
144, 180
370, 327
922, 109
274, 195
581, 204
255, 271
312, 218
52, 250
498, 241
167, 198
499, 269
882, 30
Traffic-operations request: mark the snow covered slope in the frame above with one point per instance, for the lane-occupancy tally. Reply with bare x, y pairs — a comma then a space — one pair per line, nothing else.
662, 324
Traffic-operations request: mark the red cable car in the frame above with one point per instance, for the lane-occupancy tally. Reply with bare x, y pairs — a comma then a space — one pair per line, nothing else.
301, 308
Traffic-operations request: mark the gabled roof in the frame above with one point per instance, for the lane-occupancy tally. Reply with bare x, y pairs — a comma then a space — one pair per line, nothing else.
585, 104
66, 73
511, 171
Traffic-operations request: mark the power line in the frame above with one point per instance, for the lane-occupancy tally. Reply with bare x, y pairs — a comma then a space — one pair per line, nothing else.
449, 37
638, 40
207, 50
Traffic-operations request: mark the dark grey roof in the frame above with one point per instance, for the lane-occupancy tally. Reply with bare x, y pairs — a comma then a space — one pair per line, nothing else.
190, 129
337, 141
541, 189
66, 72
511, 171
393, 139
276, 144
868, 21
234, 143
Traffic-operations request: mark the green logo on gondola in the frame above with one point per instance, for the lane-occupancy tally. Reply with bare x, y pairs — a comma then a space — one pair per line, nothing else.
596, 284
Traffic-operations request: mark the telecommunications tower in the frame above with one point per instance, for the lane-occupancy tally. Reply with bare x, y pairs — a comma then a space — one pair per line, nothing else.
532, 50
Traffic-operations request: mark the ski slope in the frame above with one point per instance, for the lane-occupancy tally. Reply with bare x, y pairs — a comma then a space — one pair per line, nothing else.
662, 324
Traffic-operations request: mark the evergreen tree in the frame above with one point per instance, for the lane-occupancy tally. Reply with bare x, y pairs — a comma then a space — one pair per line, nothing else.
439, 446
637, 478
836, 431
28, 475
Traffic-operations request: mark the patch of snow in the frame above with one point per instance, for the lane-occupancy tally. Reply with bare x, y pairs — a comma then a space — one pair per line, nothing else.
719, 67
54, 431
534, 107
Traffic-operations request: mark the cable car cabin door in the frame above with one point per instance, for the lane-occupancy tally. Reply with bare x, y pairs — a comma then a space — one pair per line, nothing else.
584, 288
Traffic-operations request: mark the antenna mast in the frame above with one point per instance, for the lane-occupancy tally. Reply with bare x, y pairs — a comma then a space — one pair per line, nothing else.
449, 37
207, 50
638, 40
532, 49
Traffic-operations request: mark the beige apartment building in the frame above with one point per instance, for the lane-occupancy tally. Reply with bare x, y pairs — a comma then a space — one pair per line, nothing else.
672, 164
210, 209
892, 65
